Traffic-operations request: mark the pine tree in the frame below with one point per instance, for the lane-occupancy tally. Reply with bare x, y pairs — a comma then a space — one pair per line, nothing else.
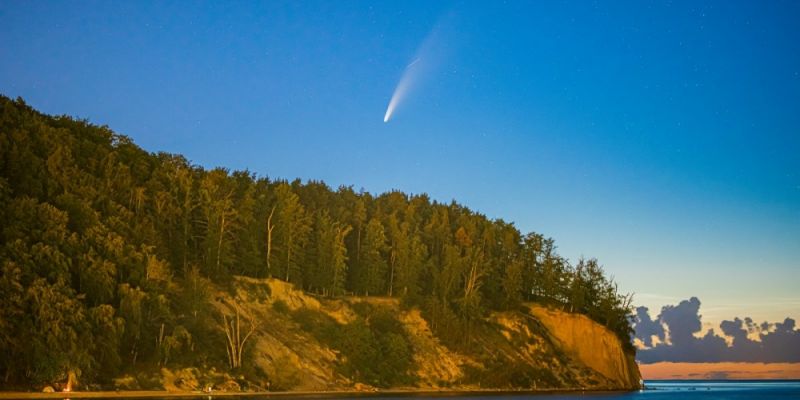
292, 227
338, 265
219, 222
373, 263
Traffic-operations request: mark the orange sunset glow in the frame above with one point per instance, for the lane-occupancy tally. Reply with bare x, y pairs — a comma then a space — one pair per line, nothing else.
724, 370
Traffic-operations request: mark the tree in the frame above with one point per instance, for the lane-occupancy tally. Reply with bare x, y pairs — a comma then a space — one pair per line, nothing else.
470, 301
248, 239
578, 289
512, 283
219, 220
531, 254
359, 217
58, 334
412, 259
338, 265
97, 278
292, 228
12, 312
182, 193
107, 330
373, 264
330, 256
131, 311
236, 338
196, 315
270, 228
172, 345
398, 249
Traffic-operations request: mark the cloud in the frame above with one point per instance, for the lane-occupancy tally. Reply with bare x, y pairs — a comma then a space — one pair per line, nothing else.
678, 329
683, 321
646, 328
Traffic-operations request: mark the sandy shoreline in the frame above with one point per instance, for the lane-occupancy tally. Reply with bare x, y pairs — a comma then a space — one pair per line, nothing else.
319, 395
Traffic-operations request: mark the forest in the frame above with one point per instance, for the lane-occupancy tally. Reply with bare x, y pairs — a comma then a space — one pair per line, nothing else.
108, 254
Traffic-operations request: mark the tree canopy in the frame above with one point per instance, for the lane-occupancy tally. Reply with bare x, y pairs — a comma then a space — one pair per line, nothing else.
106, 247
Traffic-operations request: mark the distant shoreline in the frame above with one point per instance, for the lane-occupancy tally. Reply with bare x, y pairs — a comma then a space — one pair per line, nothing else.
290, 394
720, 371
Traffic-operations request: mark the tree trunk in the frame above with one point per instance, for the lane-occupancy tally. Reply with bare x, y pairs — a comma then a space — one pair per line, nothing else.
391, 274
219, 242
270, 227
358, 245
235, 342
288, 255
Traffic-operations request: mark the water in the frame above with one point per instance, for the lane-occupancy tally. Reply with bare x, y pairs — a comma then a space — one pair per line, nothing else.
674, 390
655, 390
713, 390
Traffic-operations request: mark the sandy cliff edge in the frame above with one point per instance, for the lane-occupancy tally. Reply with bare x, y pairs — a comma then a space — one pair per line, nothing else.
591, 344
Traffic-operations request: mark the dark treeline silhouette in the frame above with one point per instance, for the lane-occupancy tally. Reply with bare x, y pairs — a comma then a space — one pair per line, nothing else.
110, 253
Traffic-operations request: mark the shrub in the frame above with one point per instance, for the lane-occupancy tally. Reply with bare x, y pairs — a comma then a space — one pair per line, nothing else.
280, 307
377, 348
320, 325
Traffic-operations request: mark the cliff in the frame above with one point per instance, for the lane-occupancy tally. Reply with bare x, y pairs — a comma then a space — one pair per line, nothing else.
591, 344
534, 348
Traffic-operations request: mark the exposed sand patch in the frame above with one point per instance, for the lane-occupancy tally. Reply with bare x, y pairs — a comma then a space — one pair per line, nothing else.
590, 343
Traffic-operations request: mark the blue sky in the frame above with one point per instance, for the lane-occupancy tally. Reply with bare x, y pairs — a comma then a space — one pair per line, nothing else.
661, 137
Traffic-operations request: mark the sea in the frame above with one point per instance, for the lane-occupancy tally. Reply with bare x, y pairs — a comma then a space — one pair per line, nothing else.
654, 390
674, 390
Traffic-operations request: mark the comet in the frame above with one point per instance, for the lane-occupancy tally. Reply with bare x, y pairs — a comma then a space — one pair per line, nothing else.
406, 81
425, 59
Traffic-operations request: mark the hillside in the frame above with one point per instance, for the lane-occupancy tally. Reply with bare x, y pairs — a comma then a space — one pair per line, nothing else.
531, 348
127, 269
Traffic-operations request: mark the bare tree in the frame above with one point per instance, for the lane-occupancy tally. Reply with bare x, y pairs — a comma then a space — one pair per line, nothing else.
233, 332
270, 227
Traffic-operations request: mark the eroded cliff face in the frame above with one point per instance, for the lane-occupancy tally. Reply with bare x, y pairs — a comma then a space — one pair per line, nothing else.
591, 344
534, 348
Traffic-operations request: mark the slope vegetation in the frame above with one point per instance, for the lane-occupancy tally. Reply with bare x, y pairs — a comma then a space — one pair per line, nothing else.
533, 348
